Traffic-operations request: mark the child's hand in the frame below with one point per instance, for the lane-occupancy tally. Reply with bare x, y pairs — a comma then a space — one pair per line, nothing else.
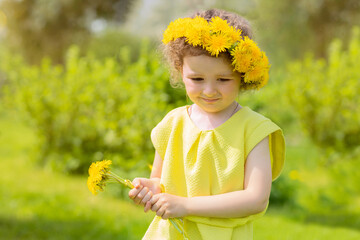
168, 206
143, 190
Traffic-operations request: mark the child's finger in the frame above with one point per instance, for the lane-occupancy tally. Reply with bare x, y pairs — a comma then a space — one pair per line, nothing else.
160, 212
141, 195
147, 197
134, 192
155, 206
136, 183
147, 206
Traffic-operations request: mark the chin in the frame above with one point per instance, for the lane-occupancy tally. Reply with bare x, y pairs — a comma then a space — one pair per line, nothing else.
211, 109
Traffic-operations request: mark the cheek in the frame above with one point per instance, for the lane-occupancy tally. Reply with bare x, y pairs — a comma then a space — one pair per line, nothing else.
191, 87
231, 91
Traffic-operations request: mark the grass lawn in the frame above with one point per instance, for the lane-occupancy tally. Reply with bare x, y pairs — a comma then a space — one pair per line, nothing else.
37, 203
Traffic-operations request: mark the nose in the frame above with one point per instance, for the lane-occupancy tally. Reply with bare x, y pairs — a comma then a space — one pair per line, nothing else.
210, 90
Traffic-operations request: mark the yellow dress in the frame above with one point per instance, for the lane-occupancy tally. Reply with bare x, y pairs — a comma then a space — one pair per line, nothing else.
210, 162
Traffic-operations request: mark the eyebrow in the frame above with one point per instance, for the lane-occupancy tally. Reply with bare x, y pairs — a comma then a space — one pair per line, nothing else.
218, 75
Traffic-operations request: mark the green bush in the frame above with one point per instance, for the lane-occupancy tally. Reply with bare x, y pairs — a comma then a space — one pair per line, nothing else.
336, 190
114, 44
91, 109
324, 93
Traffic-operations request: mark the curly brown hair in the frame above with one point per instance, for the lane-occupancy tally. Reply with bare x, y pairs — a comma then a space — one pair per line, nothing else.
175, 51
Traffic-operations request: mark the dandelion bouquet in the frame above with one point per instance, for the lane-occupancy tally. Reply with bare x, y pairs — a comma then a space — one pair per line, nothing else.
100, 174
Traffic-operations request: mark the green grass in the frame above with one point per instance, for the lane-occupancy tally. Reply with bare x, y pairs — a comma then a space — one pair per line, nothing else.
275, 226
37, 203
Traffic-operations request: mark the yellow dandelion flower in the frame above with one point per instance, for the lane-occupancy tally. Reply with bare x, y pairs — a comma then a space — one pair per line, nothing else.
264, 65
241, 59
176, 29
248, 46
259, 71
194, 36
264, 79
181, 27
254, 75
245, 55
255, 53
197, 31
244, 63
168, 34
98, 175
219, 25
217, 43
234, 34
199, 22
264, 60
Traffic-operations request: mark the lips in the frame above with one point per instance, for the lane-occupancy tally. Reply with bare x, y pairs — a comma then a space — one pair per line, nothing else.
210, 100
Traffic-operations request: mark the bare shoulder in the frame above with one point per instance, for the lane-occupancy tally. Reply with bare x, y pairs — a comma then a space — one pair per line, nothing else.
258, 166
261, 149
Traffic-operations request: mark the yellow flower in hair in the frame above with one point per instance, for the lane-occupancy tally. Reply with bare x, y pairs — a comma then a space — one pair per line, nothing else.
168, 34
219, 25
250, 47
176, 29
265, 66
200, 23
241, 60
259, 72
197, 31
234, 35
218, 36
245, 55
218, 43
254, 75
264, 80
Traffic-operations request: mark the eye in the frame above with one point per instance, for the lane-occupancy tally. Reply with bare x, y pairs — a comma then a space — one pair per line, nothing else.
224, 79
197, 79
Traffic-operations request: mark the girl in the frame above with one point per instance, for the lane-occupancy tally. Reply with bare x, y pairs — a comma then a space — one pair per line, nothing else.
215, 160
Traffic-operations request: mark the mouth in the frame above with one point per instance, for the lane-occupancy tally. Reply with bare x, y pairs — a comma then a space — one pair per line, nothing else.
210, 100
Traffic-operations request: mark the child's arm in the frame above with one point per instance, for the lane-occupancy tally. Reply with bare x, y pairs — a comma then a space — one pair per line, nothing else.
253, 199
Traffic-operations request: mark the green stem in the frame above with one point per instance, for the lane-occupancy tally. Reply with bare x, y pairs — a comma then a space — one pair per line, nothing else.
125, 182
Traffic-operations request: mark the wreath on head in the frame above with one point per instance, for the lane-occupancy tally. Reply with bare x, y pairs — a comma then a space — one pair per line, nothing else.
217, 36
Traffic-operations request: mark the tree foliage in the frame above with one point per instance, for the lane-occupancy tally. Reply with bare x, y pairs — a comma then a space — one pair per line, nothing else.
325, 95
91, 109
289, 28
41, 28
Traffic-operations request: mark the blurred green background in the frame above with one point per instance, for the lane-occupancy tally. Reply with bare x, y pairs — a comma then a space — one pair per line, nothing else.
81, 81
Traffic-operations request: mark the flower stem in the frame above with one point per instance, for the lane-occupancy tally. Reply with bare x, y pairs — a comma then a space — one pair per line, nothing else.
125, 182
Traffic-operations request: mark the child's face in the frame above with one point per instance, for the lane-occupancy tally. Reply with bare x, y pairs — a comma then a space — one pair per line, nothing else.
210, 82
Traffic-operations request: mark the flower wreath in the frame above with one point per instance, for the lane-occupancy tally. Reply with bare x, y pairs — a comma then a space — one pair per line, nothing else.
218, 36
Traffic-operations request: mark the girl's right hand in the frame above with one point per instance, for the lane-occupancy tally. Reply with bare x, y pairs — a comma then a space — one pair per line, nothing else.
143, 191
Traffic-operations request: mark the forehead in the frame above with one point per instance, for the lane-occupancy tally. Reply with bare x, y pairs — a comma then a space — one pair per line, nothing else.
204, 64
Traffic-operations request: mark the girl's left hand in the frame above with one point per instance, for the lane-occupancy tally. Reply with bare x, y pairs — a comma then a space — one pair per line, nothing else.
168, 206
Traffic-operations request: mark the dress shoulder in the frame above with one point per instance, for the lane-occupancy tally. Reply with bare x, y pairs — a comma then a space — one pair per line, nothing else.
257, 127
161, 132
